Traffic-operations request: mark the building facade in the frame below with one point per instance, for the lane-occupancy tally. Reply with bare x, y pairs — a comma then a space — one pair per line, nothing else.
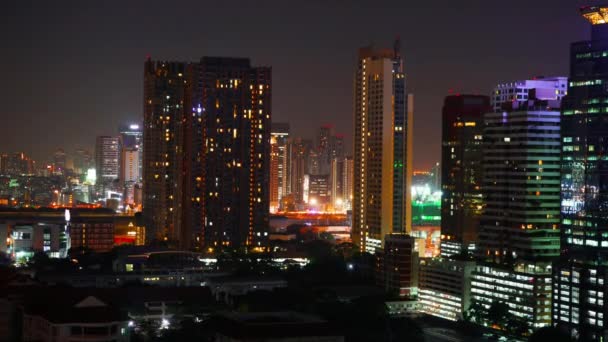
519, 230
397, 266
379, 151
540, 88
445, 287
280, 163
581, 273
461, 168
236, 120
167, 97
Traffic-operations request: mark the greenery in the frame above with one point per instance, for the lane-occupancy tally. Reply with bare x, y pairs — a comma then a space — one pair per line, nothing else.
499, 317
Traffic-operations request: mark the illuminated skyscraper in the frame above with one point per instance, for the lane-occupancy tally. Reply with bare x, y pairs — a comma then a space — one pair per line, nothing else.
129, 172
280, 180
461, 156
131, 137
107, 156
519, 228
379, 151
300, 152
237, 112
167, 92
580, 278
540, 88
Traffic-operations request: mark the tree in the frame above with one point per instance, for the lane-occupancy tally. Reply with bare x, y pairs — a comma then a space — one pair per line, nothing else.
550, 334
498, 315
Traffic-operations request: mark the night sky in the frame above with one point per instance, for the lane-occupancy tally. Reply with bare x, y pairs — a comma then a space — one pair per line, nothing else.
73, 70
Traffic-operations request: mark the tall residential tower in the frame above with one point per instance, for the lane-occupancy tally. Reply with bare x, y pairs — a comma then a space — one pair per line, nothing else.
379, 151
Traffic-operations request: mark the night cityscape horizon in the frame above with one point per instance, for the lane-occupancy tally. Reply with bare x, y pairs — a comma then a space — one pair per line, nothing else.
336, 172
113, 41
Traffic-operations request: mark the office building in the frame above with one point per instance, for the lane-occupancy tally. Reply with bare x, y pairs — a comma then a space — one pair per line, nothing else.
129, 173
280, 163
129, 165
540, 88
131, 137
380, 153
107, 157
337, 180
319, 190
580, 275
445, 287
519, 229
236, 151
397, 266
461, 157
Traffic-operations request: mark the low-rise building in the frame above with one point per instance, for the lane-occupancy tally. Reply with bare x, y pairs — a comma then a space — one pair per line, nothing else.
397, 266
88, 319
445, 287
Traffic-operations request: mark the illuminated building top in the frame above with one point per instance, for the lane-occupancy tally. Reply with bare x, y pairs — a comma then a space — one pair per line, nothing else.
596, 15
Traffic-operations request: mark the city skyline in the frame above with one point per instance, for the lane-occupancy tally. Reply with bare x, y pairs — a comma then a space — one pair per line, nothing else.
323, 53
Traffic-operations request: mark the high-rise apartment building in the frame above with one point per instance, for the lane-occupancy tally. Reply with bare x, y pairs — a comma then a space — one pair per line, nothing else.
167, 105
379, 151
107, 157
280, 163
131, 137
237, 111
581, 274
519, 229
300, 152
461, 168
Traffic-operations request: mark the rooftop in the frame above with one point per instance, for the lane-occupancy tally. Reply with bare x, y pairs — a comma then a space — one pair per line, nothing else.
596, 15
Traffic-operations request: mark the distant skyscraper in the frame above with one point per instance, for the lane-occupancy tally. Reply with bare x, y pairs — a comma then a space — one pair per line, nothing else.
107, 156
82, 161
318, 190
131, 137
580, 278
300, 150
461, 157
380, 153
337, 180
129, 172
540, 88
237, 112
324, 149
59, 161
280, 180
